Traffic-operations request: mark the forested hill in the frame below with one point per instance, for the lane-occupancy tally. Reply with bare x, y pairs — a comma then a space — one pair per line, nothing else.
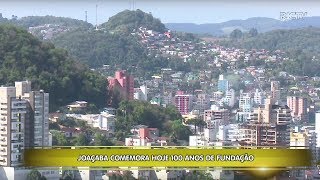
305, 39
302, 46
98, 48
127, 21
114, 45
33, 21
23, 56
46, 27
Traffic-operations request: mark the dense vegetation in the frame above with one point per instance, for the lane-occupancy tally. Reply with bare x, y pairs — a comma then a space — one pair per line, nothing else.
32, 21
89, 136
167, 120
22, 57
98, 48
127, 20
301, 45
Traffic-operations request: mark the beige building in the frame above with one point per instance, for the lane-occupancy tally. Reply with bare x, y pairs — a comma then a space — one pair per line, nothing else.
298, 106
12, 117
271, 113
216, 118
300, 139
268, 125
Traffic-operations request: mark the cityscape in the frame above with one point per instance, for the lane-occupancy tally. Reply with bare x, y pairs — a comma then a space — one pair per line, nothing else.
133, 82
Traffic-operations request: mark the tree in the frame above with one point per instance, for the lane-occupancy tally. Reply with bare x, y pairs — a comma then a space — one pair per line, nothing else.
92, 109
54, 125
253, 32
82, 140
236, 34
68, 122
35, 175
179, 131
59, 139
102, 140
23, 56
199, 175
197, 123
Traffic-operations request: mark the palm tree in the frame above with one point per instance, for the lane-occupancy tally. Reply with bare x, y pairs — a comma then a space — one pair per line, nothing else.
197, 123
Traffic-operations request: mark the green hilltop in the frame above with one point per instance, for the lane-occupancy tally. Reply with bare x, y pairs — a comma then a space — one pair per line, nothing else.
127, 20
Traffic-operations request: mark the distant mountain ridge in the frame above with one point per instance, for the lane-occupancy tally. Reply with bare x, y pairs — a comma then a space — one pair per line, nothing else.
262, 24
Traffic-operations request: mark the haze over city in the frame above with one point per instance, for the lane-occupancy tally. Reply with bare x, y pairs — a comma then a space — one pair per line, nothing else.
166, 11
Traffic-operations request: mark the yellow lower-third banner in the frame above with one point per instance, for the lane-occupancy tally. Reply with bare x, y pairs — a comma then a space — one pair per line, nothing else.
182, 157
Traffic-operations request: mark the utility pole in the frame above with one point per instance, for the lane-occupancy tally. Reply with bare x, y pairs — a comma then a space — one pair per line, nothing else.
86, 16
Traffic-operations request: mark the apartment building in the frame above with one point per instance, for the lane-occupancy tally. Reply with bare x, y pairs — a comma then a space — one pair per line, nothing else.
230, 98
183, 102
298, 107
245, 102
202, 103
12, 115
122, 83
223, 84
268, 125
216, 118
141, 93
24, 121
317, 128
37, 121
275, 90
258, 97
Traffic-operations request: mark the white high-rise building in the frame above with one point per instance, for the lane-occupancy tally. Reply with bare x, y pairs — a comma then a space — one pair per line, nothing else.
258, 97
230, 98
12, 117
231, 132
24, 123
317, 127
245, 103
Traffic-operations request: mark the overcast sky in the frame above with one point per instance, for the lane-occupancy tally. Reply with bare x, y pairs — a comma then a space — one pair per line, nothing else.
182, 11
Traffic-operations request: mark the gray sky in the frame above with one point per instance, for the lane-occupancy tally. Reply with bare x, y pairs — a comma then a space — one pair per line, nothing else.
183, 11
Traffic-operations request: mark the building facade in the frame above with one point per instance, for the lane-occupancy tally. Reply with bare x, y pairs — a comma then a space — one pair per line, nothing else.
24, 122
299, 107
183, 102
123, 84
268, 125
